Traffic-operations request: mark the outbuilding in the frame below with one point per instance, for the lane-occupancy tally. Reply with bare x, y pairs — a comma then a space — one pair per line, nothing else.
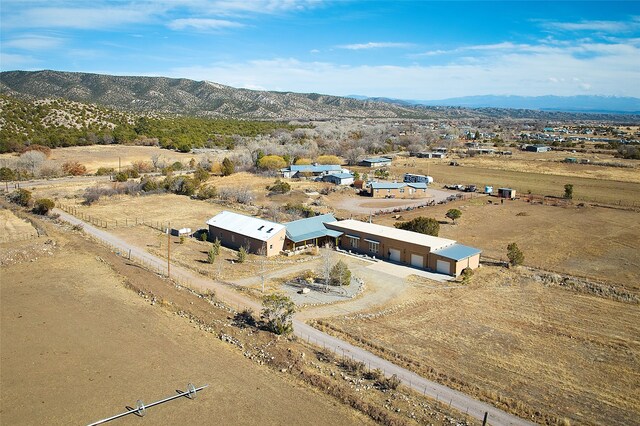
376, 162
507, 193
406, 247
398, 190
339, 178
256, 235
537, 148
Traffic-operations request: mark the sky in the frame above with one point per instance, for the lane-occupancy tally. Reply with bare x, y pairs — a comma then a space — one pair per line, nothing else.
421, 50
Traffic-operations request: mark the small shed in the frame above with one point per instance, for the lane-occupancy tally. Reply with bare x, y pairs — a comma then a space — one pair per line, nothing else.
339, 178
376, 162
506, 193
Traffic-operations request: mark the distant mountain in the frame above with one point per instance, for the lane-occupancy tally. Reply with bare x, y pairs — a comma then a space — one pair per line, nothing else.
581, 104
171, 96
189, 97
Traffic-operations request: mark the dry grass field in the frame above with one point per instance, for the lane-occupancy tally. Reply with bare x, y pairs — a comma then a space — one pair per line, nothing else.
594, 242
539, 173
77, 346
13, 228
510, 339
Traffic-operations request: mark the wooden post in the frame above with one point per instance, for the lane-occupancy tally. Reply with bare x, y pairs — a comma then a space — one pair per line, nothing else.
484, 421
168, 254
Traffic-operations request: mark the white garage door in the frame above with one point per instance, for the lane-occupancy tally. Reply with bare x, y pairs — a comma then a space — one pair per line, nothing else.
417, 260
443, 267
394, 255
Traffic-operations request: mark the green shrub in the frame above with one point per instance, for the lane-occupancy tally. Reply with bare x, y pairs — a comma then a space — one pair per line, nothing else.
421, 224
104, 171
277, 313
340, 274
43, 206
204, 235
515, 255
280, 187
121, 177
22, 197
242, 255
207, 193
7, 174
211, 255
216, 246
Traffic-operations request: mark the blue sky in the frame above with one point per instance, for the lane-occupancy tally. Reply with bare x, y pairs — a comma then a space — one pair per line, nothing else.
401, 49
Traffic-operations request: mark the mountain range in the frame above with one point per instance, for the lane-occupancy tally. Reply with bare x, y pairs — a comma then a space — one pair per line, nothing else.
170, 96
580, 104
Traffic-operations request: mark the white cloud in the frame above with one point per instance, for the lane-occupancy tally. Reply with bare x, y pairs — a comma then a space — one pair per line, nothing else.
540, 70
33, 42
79, 18
374, 45
202, 24
601, 26
10, 61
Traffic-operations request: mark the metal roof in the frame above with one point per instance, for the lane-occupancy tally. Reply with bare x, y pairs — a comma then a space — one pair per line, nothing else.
387, 185
457, 252
434, 243
248, 226
310, 228
341, 175
377, 160
417, 185
316, 168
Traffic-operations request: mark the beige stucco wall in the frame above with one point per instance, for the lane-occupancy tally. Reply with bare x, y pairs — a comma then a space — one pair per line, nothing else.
234, 240
408, 192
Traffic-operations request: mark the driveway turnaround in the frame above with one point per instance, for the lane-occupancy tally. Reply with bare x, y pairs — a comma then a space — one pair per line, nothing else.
462, 402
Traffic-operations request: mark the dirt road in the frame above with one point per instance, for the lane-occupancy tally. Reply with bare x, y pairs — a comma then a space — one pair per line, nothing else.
460, 401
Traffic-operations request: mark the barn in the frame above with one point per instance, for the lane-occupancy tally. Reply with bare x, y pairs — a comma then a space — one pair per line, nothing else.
405, 247
256, 235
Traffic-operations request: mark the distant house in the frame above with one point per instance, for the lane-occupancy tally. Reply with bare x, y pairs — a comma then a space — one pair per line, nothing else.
397, 190
537, 148
339, 178
254, 234
302, 170
376, 162
429, 154
310, 231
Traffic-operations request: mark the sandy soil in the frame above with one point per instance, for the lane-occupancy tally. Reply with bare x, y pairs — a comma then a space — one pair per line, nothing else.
568, 355
13, 228
77, 346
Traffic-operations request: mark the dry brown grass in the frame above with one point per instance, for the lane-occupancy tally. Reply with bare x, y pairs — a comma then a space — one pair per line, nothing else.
13, 228
507, 338
594, 242
77, 346
539, 175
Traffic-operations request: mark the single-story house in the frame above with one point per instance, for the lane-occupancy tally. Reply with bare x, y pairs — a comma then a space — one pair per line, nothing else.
506, 193
297, 171
428, 154
398, 189
376, 162
339, 178
537, 148
410, 248
254, 234
310, 231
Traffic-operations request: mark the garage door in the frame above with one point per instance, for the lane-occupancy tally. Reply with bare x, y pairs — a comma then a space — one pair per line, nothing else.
443, 267
394, 255
417, 260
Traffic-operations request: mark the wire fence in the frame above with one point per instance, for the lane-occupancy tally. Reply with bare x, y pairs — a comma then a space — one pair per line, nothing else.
23, 236
114, 223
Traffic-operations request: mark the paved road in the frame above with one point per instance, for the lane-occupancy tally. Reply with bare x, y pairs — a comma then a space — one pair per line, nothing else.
458, 400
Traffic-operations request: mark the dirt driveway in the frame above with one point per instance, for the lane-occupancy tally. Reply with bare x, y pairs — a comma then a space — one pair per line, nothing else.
367, 205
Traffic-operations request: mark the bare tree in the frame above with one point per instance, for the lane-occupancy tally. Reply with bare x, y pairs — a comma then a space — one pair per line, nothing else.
354, 155
325, 266
31, 161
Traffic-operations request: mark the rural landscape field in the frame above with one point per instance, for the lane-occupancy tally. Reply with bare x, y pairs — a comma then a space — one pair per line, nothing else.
312, 212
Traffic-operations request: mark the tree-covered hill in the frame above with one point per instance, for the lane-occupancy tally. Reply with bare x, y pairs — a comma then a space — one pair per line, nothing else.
58, 123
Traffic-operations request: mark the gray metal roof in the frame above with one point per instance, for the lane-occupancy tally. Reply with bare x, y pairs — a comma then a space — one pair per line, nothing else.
341, 175
316, 168
387, 185
457, 252
377, 160
310, 228
248, 226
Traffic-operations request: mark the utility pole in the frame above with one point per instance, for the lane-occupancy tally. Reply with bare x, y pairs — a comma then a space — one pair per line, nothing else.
168, 252
119, 165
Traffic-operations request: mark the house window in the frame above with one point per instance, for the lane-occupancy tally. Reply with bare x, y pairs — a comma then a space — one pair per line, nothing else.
353, 242
270, 246
233, 238
388, 191
401, 190
374, 246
